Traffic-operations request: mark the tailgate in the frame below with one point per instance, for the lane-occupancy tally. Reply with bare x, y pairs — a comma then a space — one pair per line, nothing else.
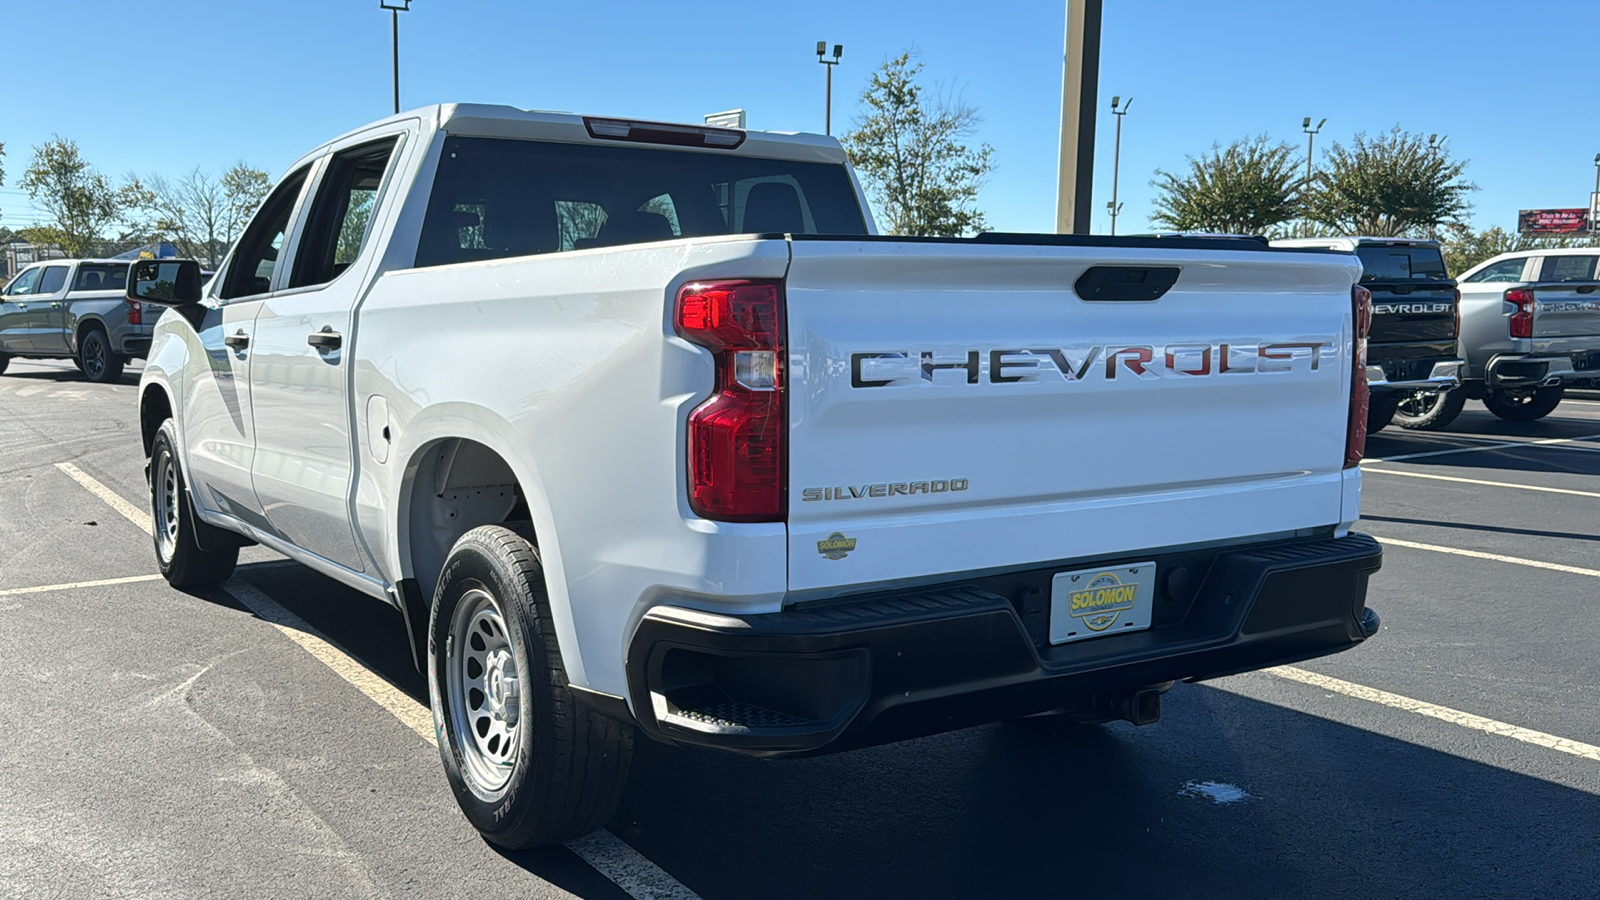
1403, 314
1566, 310
957, 407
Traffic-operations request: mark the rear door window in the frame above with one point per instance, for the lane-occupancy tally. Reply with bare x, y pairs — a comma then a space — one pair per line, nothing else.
341, 216
101, 277
1568, 268
1400, 263
499, 197
1504, 271
53, 279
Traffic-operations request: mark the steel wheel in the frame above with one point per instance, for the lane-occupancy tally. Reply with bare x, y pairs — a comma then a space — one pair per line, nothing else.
165, 481
1418, 404
485, 685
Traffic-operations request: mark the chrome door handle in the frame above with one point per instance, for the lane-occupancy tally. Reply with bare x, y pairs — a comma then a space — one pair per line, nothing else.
237, 341
326, 339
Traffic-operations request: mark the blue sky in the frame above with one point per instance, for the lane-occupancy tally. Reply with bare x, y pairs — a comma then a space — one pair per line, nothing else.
207, 82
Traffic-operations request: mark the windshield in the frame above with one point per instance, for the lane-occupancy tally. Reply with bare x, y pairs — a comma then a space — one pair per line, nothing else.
496, 197
1386, 263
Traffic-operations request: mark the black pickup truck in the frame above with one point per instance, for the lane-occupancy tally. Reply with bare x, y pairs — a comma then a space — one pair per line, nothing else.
1412, 356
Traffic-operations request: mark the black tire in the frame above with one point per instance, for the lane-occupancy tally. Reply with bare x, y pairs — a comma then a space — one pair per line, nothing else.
100, 364
186, 565
4, 361
1430, 410
1380, 412
567, 768
1528, 408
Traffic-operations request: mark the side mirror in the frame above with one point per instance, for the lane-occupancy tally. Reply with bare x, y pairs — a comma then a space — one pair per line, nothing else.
165, 282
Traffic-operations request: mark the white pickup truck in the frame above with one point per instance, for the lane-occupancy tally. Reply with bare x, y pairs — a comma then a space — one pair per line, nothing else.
643, 427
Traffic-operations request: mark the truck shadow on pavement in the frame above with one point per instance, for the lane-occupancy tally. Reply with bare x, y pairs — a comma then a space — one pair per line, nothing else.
1226, 797
1497, 529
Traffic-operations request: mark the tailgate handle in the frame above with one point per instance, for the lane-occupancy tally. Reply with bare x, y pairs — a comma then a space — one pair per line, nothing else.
1586, 289
1125, 282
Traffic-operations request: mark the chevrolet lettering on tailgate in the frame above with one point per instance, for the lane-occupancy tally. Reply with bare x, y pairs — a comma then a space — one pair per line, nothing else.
1134, 361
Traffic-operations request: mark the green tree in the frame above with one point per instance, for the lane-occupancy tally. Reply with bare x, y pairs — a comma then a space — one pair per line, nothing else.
1390, 185
911, 150
1247, 187
81, 202
243, 189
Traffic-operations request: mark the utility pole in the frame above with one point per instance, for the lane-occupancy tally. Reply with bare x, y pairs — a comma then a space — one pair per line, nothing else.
1080, 82
395, 8
827, 103
1116, 161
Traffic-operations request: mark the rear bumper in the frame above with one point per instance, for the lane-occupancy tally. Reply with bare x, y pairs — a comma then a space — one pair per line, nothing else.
136, 345
889, 666
1443, 376
1512, 372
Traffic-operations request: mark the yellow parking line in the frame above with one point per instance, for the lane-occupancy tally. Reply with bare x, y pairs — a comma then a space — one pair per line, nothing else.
130, 512
1504, 484
132, 579
1496, 557
1443, 713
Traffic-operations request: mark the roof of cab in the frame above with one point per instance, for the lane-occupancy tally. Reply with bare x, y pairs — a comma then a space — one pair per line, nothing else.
488, 120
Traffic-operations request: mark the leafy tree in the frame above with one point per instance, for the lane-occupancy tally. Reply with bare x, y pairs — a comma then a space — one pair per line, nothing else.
1464, 248
1248, 187
82, 202
912, 152
202, 215
1390, 185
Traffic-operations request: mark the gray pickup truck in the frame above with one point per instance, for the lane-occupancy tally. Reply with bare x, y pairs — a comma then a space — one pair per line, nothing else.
75, 309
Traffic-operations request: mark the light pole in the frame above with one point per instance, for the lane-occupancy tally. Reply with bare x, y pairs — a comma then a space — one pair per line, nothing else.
827, 103
395, 8
1433, 146
1594, 200
1116, 160
1311, 137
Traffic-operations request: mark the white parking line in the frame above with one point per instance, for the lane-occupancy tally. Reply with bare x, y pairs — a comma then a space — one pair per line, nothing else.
131, 579
1443, 713
1496, 557
1504, 484
130, 512
603, 851
1545, 442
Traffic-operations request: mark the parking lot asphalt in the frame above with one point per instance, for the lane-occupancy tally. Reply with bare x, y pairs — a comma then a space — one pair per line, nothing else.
167, 745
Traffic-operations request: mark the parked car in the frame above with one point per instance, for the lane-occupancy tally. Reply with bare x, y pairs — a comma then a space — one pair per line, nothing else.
1530, 327
1412, 360
74, 309
644, 428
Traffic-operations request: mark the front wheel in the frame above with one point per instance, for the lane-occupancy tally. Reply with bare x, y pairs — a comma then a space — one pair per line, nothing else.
529, 766
186, 565
1524, 408
95, 357
1430, 410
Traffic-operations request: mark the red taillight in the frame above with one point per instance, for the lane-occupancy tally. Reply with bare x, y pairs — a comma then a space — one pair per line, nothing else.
1522, 319
736, 438
1355, 441
135, 312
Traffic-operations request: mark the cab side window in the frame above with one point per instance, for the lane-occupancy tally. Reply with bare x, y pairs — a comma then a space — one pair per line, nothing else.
53, 279
1506, 270
256, 257
23, 285
342, 213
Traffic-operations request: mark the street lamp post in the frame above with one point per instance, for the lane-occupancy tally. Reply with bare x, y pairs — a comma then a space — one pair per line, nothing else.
827, 103
395, 8
1311, 137
1116, 160
1594, 200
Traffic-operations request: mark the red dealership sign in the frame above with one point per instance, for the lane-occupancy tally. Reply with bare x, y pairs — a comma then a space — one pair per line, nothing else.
1553, 221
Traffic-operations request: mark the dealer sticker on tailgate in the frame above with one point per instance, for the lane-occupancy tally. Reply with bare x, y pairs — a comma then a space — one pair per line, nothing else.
1092, 603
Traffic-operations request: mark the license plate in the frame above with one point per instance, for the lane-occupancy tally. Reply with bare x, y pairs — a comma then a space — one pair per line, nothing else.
1091, 603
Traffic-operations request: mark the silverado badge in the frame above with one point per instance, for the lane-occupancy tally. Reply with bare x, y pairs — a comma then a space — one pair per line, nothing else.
836, 546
